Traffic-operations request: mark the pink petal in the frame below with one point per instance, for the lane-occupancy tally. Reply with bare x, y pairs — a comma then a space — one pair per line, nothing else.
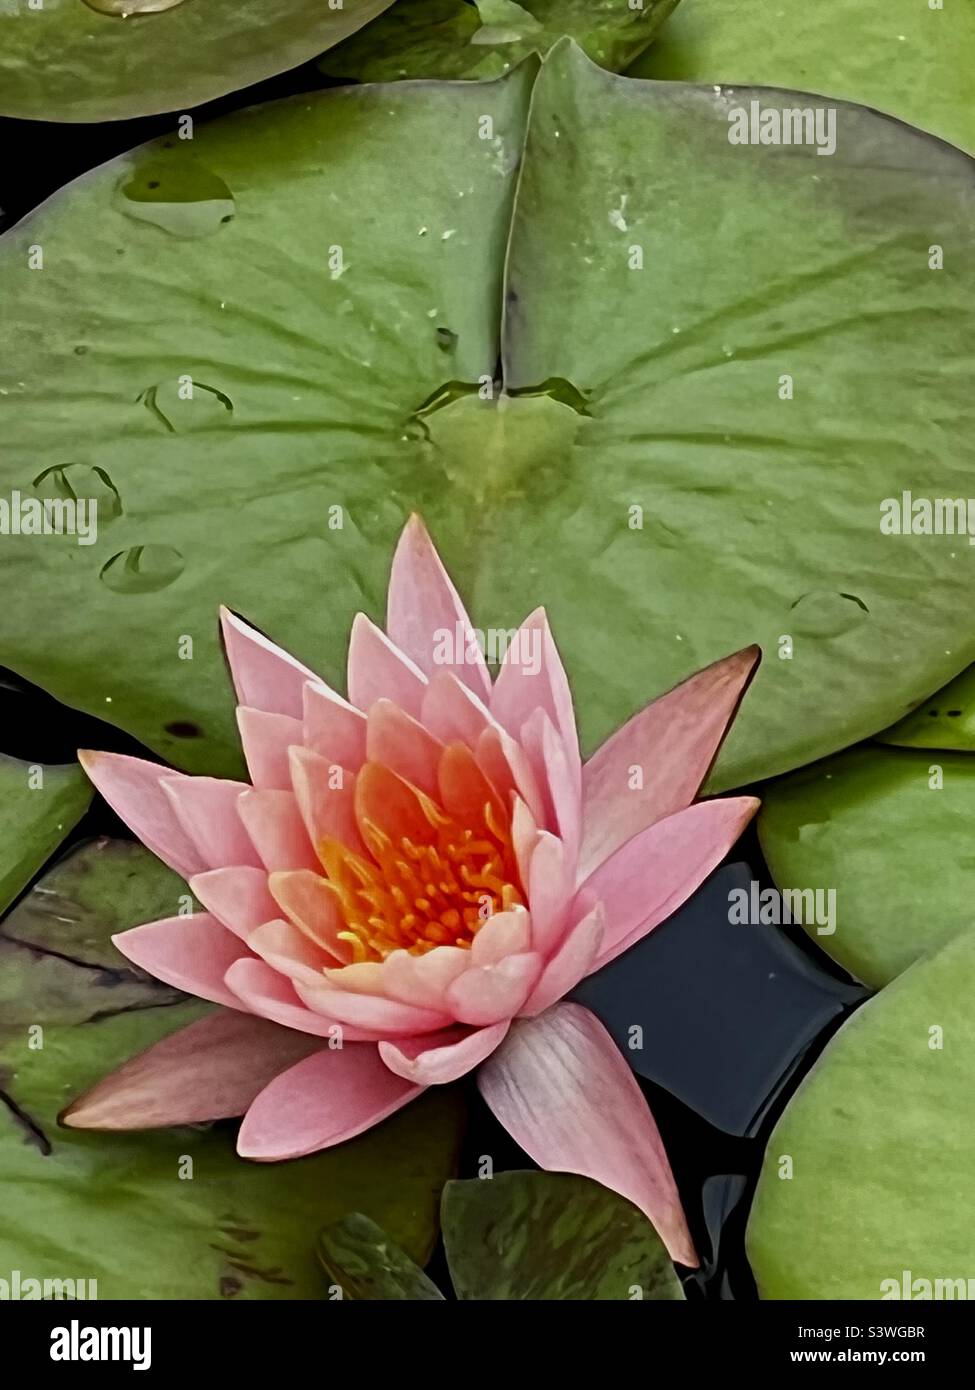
274, 823
307, 900
524, 837
452, 712
266, 739
333, 728
573, 960
384, 1018
237, 897
211, 1070
549, 892
321, 1101
646, 881
288, 951
404, 745
503, 934
265, 992
560, 780
563, 1092
206, 808
264, 676
378, 670
673, 743
423, 605
131, 786
507, 766
424, 980
443, 1057
532, 677
487, 994
190, 953
325, 794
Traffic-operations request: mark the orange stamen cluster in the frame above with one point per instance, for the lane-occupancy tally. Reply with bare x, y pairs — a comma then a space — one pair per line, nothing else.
416, 894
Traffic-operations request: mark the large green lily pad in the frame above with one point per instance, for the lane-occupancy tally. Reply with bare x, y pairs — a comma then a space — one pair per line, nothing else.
907, 57
946, 720
38, 807
551, 1236
891, 832
879, 1140
106, 60
457, 39
128, 1210
341, 329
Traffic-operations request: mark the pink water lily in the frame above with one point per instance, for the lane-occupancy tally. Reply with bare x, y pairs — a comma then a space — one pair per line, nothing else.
412, 881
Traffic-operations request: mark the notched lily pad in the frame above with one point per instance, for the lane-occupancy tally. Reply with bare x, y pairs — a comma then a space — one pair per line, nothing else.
361, 1262
867, 1185
947, 720
551, 1236
105, 60
684, 453
475, 41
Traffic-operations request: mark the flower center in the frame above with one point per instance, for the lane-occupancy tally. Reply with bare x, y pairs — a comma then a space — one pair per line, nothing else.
435, 885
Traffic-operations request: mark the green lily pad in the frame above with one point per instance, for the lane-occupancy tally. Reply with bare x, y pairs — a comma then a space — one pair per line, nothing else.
639, 469
107, 60
361, 1261
547, 1236
168, 1213
878, 1141
905, 57
890, 833
946, 720
453, 39
38, 807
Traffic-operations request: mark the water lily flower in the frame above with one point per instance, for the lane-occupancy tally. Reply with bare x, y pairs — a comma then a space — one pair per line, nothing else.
412, 882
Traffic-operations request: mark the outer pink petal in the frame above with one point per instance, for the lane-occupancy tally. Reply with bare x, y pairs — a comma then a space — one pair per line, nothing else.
206, 808
452, 712
532, 677
561, 1089
643, 883
190, 953
131, 786
265, 992
486, 994
423, 603
674, 742
237, 897
507, 766
321, 1101
210, 1070
549, 892
327, 811
264, 676
266, 739
572, 961
274, 823
432, 1061
384, 1018
378, 670
403, 744
333, 727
